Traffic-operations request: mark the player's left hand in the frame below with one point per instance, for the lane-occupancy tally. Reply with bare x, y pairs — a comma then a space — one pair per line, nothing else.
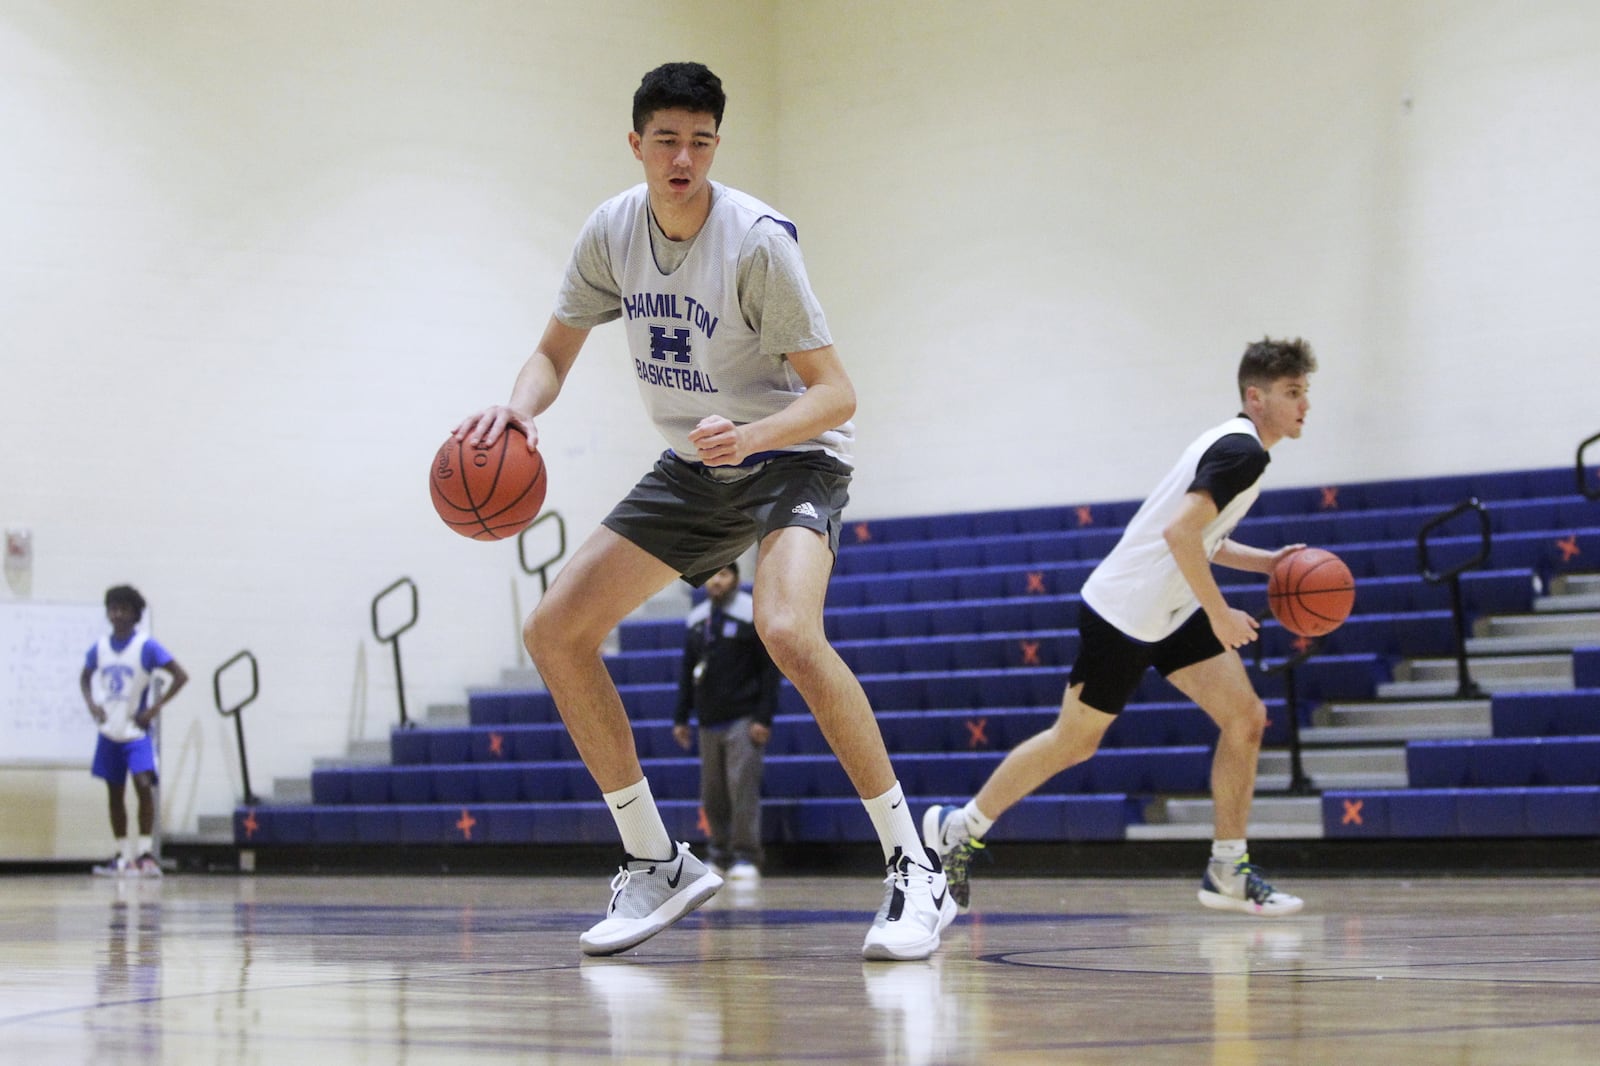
717, 441
760, 734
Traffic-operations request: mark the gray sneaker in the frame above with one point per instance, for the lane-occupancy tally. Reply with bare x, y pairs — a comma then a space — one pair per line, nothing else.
647, 895
945, 831
1242, 887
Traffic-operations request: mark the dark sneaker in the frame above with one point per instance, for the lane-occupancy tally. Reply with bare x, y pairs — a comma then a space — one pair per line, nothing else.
1241, 887
116, 866
647, 895
945, 831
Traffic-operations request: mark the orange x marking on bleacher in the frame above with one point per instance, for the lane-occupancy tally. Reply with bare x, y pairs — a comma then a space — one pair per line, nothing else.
977, 732
1330, 497
1301, 644
497, 745
1030, 652
1085, 516
1569, 548
250, 824
863, 533
1352, 812
465, 823
1035, 581
700, 822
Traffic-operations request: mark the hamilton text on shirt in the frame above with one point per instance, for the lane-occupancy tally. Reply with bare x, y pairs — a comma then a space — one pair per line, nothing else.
670, 347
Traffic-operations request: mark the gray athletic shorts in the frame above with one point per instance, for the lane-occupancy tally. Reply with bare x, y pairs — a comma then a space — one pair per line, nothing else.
698, 519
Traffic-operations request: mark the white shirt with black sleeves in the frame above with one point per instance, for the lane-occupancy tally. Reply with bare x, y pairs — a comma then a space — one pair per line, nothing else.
1138, 587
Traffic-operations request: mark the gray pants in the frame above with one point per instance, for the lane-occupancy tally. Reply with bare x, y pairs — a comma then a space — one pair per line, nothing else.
730, 792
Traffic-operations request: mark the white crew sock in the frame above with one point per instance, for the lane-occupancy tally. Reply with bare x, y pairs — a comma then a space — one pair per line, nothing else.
891, 817
644, 834
978, 823
1229, 851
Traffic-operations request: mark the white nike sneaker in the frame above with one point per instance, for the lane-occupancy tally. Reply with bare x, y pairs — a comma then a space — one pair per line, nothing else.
647, 895
916, 908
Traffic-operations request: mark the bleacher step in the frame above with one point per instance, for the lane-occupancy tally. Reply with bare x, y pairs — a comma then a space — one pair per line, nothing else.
1531, 643
1277, 810
360, 753
1540, 668
1393, 733
1563, 626
291, 790
1258, 831
445, 715
1415, 713
1430, 690
1334, 768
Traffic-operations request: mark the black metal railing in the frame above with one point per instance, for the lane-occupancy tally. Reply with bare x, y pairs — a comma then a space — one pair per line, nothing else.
542, 570
392, 639
1466, 688
234, 713
1590, 490
1299, 783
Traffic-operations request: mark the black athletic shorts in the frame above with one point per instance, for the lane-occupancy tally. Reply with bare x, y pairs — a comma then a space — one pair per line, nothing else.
698, 519
1110, 663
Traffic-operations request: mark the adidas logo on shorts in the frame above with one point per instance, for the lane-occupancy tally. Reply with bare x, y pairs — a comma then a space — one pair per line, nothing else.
805, 509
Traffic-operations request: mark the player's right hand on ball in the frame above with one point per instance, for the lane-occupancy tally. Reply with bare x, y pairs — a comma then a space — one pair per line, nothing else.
484, 428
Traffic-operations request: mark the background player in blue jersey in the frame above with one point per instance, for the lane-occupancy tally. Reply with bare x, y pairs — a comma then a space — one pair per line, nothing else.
736, 366
116, 684
1154, 602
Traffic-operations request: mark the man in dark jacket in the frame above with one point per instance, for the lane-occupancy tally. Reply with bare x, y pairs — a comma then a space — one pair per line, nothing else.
729, 683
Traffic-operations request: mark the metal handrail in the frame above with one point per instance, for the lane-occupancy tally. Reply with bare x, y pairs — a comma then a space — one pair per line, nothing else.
233, 712
542, 570
1587, 490
393, 639
1466, 688
1299, 783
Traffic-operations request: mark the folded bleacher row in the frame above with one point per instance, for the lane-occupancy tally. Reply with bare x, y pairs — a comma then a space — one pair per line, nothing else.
961, 628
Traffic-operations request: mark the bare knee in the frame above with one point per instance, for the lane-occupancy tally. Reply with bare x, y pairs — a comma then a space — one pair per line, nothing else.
1246, 724
794, 642
553, 638
1069, 744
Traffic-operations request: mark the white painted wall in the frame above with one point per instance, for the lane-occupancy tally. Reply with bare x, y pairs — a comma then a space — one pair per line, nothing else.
1045, 231
259, 257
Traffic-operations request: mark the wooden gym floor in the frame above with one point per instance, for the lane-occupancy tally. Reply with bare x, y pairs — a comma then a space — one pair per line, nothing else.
485, 969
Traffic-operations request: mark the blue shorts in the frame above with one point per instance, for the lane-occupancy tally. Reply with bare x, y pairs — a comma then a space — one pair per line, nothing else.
114, 760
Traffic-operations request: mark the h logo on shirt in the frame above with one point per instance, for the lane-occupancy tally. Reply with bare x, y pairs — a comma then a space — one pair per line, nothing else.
676, 344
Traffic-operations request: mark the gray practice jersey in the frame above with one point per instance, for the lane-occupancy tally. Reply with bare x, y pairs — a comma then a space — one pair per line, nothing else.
709, 320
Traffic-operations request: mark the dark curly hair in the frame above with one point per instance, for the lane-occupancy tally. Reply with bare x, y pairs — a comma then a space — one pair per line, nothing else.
127, 596
684, 86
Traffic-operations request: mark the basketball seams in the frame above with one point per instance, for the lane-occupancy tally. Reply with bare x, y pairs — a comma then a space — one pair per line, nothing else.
484, 514
1299, 604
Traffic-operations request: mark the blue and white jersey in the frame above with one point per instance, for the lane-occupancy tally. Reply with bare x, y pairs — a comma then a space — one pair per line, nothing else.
121, 681
693, 352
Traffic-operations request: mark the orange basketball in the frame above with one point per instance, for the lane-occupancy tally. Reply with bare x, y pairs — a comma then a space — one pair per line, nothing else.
488, 493
1311, 592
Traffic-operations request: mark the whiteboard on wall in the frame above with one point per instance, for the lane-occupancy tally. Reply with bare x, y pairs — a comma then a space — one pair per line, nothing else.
43, 721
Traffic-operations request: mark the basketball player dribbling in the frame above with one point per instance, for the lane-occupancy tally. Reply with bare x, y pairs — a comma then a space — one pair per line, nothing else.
739, 373
1154, 602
